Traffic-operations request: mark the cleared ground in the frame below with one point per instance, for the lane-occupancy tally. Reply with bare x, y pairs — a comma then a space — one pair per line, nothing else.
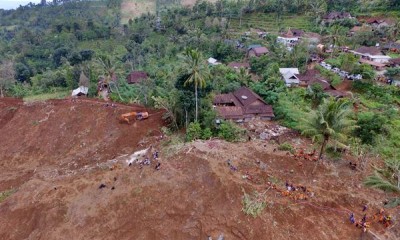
54, 155
134, 8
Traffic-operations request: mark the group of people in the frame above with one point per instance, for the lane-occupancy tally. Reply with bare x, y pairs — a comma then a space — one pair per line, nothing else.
147, 161
382, 218
363, 224
298, 192
231, 166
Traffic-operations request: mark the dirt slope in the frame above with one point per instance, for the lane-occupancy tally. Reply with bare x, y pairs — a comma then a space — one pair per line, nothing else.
56, 155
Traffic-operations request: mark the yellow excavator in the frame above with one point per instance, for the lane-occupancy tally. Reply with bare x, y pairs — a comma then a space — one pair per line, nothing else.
128, 117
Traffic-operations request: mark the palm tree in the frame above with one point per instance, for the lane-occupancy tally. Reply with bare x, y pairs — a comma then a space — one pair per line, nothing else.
329, 122
244, 76
197, 71
336, 36
387, 179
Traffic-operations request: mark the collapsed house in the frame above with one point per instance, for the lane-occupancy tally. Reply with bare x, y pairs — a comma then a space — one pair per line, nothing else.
335, 16
242, 105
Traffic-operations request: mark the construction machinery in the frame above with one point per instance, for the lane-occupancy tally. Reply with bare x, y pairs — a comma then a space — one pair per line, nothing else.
128, 117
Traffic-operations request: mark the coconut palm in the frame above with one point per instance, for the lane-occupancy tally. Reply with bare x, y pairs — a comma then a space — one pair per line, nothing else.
197, 71
336, 34
387, 179
330, 122
244, 76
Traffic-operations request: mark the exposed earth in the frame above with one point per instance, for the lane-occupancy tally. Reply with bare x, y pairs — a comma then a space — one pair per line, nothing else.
54, 155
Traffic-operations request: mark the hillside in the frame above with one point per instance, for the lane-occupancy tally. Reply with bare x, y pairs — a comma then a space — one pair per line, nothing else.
54, 161
134, 8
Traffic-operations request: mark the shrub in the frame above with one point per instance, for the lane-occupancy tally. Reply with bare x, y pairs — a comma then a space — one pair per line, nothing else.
229, 132
5, 194
206, 133
286, 147
193, 131
370, 125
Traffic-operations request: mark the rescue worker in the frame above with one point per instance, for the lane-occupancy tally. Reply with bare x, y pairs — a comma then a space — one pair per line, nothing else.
352, 220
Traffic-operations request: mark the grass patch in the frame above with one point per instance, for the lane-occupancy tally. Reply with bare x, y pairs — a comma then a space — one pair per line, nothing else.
394, 55
47, 96
253, 204
286, 147
5, 194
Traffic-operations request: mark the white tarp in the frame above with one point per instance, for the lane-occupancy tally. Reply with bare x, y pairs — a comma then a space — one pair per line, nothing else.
80, 91
212, 61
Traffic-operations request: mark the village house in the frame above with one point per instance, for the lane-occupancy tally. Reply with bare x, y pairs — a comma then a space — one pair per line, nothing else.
290, 38
378, 22
356, 29
256, 51
392, 47
136, 77
309, 76
289, 75
313, 76
335, 16
372, 54
242, 105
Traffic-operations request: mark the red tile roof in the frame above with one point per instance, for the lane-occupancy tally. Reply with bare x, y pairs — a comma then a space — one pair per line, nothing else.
136, 77
260, 51
369, 50
230, 112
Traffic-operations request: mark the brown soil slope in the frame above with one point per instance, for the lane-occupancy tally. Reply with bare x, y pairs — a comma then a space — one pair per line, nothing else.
56, 154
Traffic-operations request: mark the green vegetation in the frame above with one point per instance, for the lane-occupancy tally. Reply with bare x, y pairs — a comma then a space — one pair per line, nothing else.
330, 122
6, 194
253, 204
286, 147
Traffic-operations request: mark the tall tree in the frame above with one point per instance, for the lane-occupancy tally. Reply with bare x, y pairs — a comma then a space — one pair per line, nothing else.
336, 33
197, 71
330, 122
7, 73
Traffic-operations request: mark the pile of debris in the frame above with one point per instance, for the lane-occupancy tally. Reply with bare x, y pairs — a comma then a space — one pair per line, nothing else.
272, 132
266, 130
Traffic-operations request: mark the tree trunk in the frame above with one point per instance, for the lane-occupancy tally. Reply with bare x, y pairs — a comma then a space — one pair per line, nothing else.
320, 153
1, 92
323, 148
195, 94
186, 118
